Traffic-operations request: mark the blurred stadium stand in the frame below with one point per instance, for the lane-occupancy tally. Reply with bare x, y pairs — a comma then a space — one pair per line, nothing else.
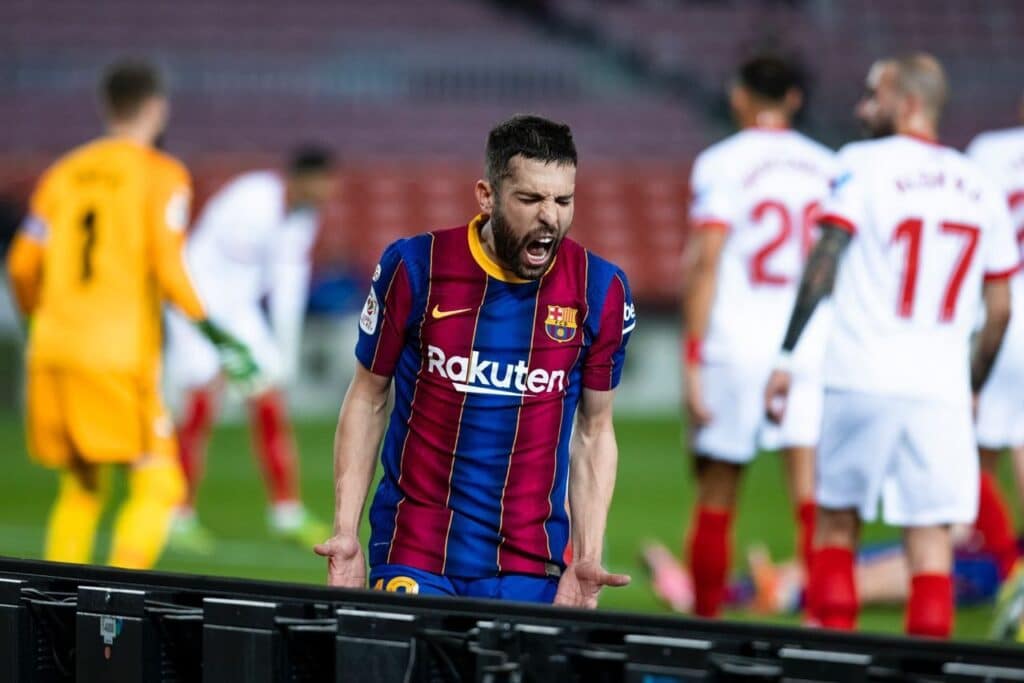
407, 90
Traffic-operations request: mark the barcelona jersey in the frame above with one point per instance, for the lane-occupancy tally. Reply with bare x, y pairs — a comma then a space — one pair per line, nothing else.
488, 370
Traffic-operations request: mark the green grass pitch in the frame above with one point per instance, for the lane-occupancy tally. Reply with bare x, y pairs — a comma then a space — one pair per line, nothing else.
652, 500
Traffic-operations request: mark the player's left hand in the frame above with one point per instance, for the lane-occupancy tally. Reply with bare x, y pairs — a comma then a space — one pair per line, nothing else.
582, 581
775, 395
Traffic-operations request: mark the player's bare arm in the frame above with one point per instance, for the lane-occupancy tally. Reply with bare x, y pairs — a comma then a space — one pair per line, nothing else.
997, 316
361, 425
698, 296
818, 280
594, 458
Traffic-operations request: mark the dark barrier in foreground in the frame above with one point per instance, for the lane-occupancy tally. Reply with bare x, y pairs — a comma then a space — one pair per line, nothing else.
66, 622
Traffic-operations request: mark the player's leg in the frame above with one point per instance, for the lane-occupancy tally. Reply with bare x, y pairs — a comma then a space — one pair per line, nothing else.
710, 543
799, 465
273, 439
721, 450
192, 371
81, 496
933, 484
800, 433
82, 490
930, 562
831, 586
156, 488
859, 434
198, 415
998, 421
994, 523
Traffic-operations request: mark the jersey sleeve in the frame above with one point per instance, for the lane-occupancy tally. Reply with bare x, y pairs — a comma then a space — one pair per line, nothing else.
383, 322
27, 251
712, 201
846, 205
1001, 254
169, 213
602, 367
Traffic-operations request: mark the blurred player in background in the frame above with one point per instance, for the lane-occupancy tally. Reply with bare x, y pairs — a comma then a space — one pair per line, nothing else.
1000, 411
252, 241
91, 266
506, 341
921, 231
756, 195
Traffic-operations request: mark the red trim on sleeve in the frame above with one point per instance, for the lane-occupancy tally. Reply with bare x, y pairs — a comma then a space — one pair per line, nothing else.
838, 221
993, 276
711, 224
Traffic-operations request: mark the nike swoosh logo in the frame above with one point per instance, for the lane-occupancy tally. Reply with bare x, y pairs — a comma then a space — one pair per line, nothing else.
438, 314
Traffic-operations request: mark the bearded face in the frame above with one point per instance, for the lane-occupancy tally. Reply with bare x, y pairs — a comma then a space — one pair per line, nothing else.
531, 214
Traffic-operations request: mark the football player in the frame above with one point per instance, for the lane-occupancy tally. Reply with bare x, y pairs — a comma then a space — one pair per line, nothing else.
755, 199
915, 232
98, 254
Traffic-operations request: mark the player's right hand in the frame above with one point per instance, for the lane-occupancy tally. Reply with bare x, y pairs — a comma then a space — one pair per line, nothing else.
776, 394
346, 567
695, 409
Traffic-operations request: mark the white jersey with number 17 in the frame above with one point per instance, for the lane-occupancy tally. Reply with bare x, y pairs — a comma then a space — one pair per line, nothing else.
765, 188
929, 228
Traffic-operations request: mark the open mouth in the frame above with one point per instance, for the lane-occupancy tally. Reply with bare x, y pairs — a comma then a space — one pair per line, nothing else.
538, 251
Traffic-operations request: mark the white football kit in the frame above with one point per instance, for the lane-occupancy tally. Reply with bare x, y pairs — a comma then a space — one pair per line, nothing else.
246, 247
929, 227
1000, 418
764, 187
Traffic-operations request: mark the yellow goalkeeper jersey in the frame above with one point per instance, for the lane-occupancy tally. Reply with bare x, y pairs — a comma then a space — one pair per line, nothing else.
100, 251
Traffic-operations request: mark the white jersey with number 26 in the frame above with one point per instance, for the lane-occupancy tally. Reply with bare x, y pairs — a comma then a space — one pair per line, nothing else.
765, 187
929, 228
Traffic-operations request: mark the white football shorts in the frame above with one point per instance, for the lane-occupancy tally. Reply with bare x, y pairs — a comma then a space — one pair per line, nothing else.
734, 395
1000, 420
191, 360
916, 457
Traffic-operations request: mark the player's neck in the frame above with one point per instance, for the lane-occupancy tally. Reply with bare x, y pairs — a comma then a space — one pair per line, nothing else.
133, 133
768, 119
920, 128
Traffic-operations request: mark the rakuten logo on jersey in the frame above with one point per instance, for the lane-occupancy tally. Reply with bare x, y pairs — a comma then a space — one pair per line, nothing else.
474, 375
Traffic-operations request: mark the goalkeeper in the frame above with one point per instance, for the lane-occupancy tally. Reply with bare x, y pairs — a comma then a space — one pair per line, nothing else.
99, 252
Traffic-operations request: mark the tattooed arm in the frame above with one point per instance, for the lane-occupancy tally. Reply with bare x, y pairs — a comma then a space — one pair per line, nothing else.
997, 316
817, 282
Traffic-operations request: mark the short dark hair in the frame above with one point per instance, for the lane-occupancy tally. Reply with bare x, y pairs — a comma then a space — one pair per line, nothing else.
769, 76
532, 137
127, 84
310, 158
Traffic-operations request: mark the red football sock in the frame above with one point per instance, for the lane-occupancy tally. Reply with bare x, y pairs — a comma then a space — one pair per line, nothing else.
994, 525
193, 433
806, 513
930, 608
831, 590
709, 558
275, 446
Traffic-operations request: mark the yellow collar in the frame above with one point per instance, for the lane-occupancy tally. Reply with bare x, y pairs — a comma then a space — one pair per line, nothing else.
481, 257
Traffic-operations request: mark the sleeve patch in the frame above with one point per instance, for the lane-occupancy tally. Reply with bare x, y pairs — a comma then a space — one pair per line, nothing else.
370, 314
176, 211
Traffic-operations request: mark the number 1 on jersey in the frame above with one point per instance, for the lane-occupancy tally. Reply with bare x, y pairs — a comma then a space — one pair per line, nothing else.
89, 227
910, 231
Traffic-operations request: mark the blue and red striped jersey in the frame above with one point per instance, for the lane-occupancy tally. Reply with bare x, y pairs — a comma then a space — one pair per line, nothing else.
488, 370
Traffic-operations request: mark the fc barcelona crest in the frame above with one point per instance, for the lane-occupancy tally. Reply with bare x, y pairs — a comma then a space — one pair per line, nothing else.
561, 323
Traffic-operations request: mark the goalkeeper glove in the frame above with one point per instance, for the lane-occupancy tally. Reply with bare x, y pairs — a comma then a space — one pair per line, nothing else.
235, 358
